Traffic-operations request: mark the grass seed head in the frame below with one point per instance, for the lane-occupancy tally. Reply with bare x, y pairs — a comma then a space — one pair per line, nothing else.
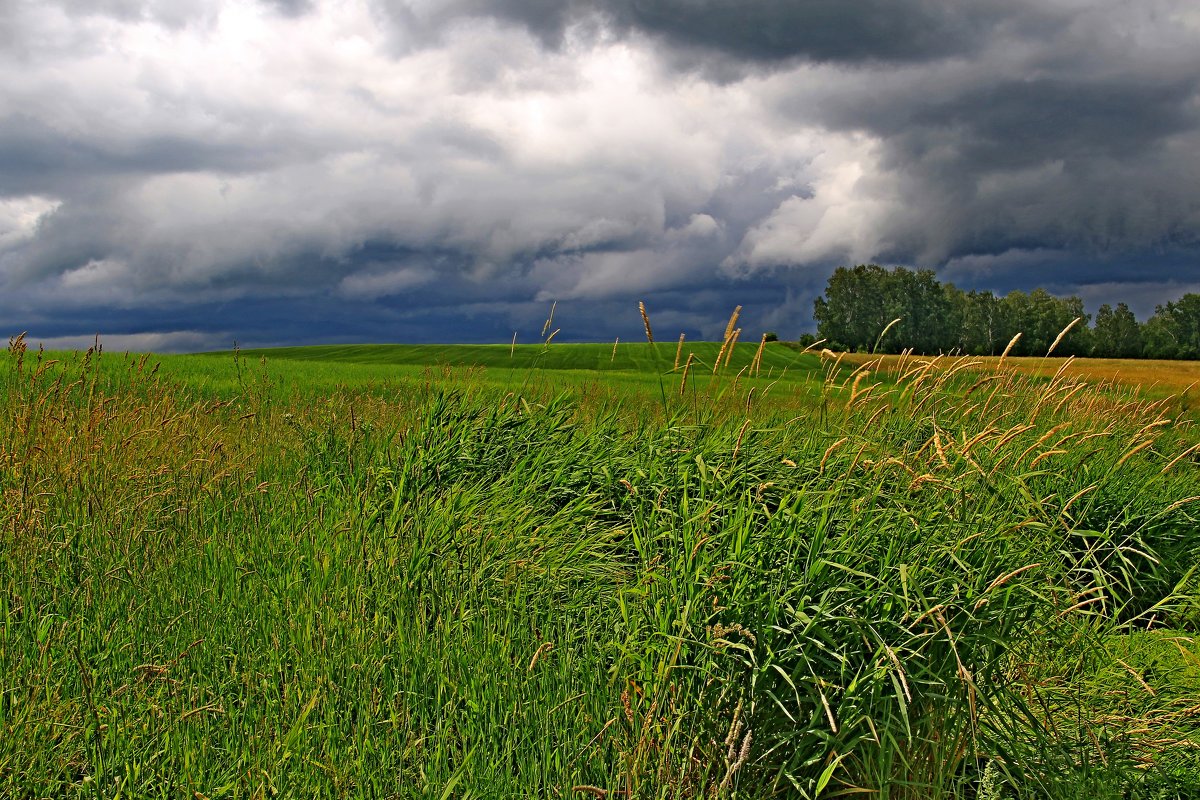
1062, 334
686, 367
732, 345
729, 327
1008, 349
646, 322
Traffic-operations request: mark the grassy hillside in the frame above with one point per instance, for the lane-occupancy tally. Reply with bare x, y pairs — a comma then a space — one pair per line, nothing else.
639, 375
638, 357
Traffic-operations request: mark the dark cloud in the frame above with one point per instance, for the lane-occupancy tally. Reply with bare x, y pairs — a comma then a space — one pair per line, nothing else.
377, 170
771, 30
36, 156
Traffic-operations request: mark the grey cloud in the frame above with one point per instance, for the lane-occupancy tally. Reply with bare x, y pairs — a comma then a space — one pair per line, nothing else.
693, 154
37, 157
766, 30
290, 8
1078, 137
1016, 122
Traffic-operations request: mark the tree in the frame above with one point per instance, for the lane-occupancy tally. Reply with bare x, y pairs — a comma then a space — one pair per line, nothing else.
925, 312
1116, 333
853, 312
1040, 317
861, 302
1174, 330
982, 327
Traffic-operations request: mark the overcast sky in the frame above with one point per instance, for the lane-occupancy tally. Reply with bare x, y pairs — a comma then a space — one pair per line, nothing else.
178, 174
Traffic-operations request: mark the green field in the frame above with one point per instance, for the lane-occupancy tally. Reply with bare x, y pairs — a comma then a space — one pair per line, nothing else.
471, 571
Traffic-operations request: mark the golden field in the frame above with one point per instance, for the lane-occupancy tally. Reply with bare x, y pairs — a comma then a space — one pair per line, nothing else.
1154, 377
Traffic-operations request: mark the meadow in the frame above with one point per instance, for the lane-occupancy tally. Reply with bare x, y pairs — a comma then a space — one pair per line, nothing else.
566, 571
1153, 378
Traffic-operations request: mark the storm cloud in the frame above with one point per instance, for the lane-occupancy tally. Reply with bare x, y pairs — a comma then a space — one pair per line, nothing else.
183, 174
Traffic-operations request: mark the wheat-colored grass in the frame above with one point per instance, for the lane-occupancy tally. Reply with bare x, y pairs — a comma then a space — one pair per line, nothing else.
646, 322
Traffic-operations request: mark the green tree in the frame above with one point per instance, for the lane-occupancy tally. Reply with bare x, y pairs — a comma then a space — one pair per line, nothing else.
1174, 330
853, 311
982, 329
1040, 317
1116, 333
925, 312
860, 302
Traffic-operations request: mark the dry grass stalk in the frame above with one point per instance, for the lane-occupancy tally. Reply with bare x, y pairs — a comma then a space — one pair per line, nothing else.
737, 378
1158, 423
1078, 388
686, 367
549, 320
729, 326
678, 351
1137, 676
899, 671
1012, 434
866, 366
1066, 362
735, 730
646, 322
614, 352
1180, 504
884, 332
879, 412
830, 450
552, 335
544, 647
833, 726
961, 364
1042, 456
1181, 456
1045, 437
1011, 343
732, 345
940, 448
1062, 334
976, 439
738, 444
858, 378
1046, 397
742, 756
756, 364
1134, 451
720, 356
512, 350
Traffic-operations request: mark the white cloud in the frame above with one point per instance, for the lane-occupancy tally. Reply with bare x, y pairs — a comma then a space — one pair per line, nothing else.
384, 281
20, 216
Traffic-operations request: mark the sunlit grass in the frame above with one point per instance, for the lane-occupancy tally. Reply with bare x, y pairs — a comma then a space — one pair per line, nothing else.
1155, 378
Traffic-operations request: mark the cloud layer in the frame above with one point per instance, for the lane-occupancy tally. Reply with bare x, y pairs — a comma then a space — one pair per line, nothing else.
310, 170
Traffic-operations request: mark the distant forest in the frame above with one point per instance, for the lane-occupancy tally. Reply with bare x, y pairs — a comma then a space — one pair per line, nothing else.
860, 302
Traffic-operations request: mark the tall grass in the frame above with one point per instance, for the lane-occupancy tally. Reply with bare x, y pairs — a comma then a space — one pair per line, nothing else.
926, 581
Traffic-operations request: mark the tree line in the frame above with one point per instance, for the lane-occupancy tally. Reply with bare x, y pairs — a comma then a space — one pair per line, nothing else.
861, 302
